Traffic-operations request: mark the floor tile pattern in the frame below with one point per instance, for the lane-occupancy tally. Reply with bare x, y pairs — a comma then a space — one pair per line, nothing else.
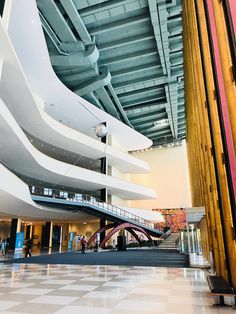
34, 288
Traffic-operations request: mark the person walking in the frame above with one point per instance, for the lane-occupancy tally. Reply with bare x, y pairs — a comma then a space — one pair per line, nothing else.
3, 248
28, 247
83, 245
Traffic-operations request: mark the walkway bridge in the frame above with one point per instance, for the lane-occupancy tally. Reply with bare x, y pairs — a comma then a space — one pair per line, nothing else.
75, 202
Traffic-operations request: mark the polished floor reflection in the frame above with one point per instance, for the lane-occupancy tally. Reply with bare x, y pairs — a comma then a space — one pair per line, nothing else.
104, 289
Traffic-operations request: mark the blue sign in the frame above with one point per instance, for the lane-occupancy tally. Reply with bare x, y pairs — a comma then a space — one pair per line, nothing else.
71, 236
19, 241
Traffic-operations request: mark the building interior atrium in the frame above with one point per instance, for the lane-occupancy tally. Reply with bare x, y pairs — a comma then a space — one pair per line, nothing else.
117, 156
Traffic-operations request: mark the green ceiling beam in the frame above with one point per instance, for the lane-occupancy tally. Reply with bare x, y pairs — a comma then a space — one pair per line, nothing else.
107, 102
56, 20
76, 20
129, 56
155, 133
143, 112
136, 69
118, 104
87, 87
125, 41
118, 25
143, 100
147, 120
145, 81
88, 57
52, 36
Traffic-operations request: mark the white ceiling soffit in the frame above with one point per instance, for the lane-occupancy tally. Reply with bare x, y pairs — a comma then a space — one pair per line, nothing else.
18, 154
194, 214
41, 125
15, 200
27, 36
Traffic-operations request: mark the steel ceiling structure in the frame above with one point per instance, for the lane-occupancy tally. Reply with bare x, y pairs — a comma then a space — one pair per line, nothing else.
124, 56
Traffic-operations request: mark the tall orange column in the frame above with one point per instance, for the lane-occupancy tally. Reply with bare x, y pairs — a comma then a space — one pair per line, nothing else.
207, 142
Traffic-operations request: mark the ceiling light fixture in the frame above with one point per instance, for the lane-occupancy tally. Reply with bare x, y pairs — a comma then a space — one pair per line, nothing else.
161, 122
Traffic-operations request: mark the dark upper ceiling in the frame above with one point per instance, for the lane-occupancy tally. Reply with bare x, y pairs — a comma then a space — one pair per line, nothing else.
124, 56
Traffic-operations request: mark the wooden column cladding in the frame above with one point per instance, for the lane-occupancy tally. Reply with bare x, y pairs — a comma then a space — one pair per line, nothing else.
204, 238
208, 138
227, 65
200, 138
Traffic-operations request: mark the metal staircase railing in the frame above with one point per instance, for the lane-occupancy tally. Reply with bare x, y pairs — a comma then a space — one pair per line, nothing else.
88, 199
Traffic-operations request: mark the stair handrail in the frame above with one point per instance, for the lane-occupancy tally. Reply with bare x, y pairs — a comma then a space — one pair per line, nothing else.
165, 235
86, 198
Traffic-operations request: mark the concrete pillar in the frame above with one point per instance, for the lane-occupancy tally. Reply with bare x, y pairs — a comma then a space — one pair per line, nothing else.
47, 234
15, 227
51, 234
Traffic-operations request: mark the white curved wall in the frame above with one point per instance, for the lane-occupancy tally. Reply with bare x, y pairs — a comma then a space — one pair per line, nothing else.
26, 33
18, 154
28, 111
15, 200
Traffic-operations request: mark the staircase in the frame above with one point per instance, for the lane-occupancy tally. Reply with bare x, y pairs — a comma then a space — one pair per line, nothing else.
170, 242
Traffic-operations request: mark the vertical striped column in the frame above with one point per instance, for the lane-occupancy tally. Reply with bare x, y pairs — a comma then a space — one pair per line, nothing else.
229, 151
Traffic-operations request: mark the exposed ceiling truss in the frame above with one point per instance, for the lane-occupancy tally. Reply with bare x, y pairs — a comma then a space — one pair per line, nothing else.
124, 56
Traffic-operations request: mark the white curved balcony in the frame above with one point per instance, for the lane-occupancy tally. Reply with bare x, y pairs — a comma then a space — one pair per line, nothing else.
16, 201
18, 154
29, 112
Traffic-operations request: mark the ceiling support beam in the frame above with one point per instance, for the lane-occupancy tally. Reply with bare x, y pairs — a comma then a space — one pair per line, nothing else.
56, 20
158, 13
76, 20
103, 79
93, 99
143, 100
129, 56
139, 112
107, 102
88, 57
118, 24
117, 101
125, 41
51, 34
172, 106
136, 69
155, 133
149, 119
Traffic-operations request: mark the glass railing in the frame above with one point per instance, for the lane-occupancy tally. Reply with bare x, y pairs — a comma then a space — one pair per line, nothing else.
88, 199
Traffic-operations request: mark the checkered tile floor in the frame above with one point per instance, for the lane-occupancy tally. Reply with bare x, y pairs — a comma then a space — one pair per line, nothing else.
28, 288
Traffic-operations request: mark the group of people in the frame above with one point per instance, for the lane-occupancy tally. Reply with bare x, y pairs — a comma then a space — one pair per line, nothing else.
4, 243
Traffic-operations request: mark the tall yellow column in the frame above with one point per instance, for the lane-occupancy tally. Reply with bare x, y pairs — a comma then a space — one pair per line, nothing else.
226, 61
209, 182
198, 136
